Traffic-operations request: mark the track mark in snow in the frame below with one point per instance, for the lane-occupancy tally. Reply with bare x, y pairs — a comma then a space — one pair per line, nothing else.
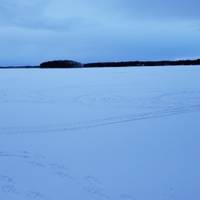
92, 179
11, 189
127, 197
106, 99
99, 122
16, 155
162, 106
36, 195
97, 192
64, 175
94, 186
40, 164
37, 164
7, 185
7, 179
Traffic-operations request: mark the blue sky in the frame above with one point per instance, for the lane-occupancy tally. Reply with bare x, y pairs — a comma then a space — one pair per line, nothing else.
87, 31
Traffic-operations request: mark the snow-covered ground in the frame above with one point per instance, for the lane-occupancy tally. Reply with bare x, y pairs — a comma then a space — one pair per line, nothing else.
100, 134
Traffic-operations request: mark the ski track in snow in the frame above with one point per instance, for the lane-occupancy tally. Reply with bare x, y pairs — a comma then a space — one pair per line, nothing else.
88, 183
163, 105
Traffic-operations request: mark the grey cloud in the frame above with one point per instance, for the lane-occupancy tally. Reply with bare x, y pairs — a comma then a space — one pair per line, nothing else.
187, 9
42, 14
31, 15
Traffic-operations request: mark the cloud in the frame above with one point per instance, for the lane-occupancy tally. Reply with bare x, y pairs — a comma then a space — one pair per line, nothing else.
63, 15
187, 9
33, 15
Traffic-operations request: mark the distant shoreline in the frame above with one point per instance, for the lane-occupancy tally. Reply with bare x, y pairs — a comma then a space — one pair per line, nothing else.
20, 67
74, 64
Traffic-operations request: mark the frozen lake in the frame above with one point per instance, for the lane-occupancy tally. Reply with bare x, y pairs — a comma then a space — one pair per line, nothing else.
100, 134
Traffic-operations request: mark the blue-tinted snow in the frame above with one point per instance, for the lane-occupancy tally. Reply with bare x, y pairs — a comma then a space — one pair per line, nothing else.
97, 134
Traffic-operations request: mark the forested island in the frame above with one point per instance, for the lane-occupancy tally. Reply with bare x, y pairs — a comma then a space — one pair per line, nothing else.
74, 64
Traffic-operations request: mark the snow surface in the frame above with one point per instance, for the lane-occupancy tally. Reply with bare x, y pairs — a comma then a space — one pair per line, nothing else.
100, 134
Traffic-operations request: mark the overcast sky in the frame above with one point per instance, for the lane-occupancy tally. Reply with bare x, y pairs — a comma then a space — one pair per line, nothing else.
98, 30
